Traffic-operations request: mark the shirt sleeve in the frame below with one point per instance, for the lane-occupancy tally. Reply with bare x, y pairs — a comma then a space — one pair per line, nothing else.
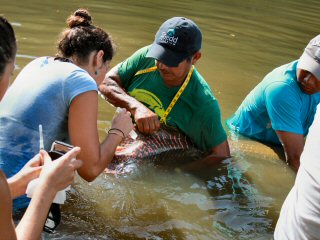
78, 82
283, 107
129, 67
212, 132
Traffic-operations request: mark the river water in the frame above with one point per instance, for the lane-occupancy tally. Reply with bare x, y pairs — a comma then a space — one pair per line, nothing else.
242, 41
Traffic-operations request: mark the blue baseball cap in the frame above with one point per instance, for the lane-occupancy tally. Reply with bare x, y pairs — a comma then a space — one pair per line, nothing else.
177, 39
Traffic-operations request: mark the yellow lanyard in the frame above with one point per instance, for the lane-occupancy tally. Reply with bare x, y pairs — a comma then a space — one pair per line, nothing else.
178, 94
152, 69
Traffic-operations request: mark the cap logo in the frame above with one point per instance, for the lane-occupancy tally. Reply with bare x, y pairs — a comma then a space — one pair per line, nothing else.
168, 37
315, 43
170, 32
317, 55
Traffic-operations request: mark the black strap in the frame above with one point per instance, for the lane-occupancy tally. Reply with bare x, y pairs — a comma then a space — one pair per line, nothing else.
53, 218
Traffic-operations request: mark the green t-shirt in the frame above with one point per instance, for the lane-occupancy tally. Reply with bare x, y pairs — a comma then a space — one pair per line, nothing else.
196, 113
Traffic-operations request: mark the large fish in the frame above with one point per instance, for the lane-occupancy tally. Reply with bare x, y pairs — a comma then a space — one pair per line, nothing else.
167, 145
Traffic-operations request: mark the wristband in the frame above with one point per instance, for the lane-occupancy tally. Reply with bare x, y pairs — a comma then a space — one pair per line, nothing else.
116, 129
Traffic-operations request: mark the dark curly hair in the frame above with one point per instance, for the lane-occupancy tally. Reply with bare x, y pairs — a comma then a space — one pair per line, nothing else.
82, 38
8, 45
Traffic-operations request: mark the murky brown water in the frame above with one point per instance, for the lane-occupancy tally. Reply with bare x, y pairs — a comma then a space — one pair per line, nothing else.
242, 41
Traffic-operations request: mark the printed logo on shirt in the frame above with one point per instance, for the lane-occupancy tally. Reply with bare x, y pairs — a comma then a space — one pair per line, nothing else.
168, 37
149, 99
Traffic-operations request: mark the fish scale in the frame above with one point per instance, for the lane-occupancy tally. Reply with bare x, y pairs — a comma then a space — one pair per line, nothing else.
165, 145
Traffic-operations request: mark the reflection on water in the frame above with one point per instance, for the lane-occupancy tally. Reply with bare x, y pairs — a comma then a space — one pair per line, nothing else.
242, 41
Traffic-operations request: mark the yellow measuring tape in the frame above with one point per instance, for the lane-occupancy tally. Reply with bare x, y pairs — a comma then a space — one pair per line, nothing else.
178, 94
152, 69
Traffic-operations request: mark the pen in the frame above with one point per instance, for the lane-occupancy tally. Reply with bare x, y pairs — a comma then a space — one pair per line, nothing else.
41, 145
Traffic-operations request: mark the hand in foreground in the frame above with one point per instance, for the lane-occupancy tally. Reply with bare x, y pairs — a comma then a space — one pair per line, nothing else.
19, 182
123, 122
59, 174
146, 120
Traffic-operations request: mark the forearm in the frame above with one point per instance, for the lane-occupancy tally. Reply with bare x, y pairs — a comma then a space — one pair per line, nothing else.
117, 96
95, 165
83, 132
204, 163
31, 225
16, 187
293, 160
293, 145
215, 156
108, 148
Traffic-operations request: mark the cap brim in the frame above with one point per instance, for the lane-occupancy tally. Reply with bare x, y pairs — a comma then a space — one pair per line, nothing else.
165, 55
306, 62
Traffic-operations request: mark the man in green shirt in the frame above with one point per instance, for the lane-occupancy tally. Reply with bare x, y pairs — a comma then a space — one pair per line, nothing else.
159, 84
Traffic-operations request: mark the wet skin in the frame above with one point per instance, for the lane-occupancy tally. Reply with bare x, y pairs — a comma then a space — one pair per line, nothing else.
174, 76
308, 83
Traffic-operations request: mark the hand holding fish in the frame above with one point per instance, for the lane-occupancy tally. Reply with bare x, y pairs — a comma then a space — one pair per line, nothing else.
146, 120
122, 121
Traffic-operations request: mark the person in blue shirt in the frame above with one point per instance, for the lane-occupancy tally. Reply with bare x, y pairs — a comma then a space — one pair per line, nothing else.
281, 108
61, 94
54, 176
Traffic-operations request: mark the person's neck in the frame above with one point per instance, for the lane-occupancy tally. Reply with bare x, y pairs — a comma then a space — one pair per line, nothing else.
175, 84
178, 82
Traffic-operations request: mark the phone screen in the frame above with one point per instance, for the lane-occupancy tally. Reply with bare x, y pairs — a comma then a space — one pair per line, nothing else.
58, 149
61, 147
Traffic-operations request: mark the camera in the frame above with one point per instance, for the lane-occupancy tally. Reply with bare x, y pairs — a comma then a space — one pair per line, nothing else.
57, 150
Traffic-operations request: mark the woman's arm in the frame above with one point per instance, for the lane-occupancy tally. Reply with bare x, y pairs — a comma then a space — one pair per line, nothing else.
83, 114
6, 224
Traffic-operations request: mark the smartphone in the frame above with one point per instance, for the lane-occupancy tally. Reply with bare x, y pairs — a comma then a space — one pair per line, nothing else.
58, 149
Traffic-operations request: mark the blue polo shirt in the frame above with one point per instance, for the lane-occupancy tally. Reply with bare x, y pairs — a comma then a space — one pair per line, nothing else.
275, 104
